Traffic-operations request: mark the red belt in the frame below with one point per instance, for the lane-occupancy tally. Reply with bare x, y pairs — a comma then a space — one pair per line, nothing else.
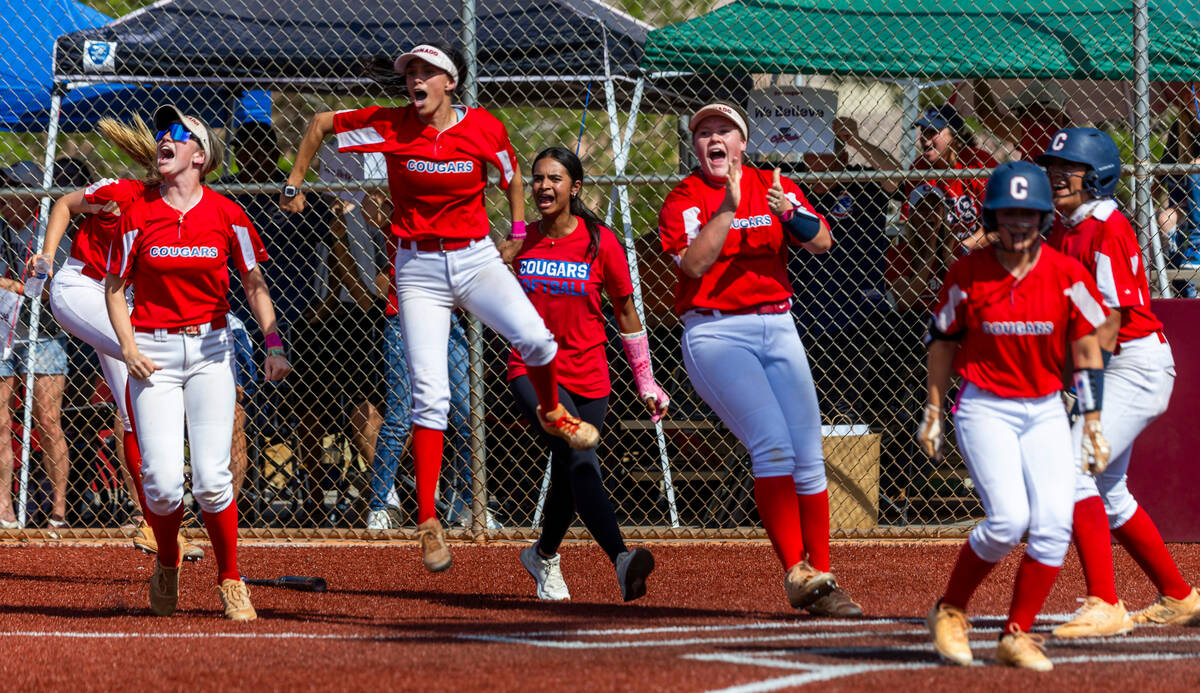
432, 245
760, 309
218, 324
1162, 339
92, 273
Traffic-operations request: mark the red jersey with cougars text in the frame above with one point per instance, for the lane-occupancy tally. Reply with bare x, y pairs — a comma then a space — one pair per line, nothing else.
1103, 240
1015, 334
963, 197
94, 237
564, 284
436, 178
751, 269
178, 261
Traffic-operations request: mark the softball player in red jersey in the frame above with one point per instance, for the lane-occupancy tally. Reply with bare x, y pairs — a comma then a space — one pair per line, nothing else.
728, 227
437, 156
1005, 318
77, 290
174, 248
1085, 166
564, 263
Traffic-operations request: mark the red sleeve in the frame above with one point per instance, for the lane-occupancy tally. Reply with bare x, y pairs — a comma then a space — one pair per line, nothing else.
123, 248
500, 152
949, 312
370, 129
108, 190
246, 249
1087, 306
1116, 258
679, 221
617, 282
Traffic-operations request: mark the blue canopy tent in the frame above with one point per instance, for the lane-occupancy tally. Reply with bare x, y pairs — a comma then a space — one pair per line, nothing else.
27, 77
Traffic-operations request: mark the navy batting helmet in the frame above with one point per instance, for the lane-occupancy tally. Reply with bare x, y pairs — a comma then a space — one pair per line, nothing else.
1090, 147
1018, 185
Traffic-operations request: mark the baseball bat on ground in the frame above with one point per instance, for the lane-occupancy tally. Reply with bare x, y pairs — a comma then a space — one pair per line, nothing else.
303, 583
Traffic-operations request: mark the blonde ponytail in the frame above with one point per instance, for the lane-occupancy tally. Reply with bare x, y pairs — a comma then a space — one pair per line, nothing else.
135, 139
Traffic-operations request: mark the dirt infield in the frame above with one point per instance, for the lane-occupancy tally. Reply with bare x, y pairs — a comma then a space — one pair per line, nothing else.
714, 619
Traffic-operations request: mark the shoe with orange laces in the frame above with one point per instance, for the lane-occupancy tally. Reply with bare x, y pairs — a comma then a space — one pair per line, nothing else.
579, 434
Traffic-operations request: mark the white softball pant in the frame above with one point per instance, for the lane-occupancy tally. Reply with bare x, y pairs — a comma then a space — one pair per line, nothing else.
1018, 452
78, 304
753, 372
1137, 387
195, 384
429, 285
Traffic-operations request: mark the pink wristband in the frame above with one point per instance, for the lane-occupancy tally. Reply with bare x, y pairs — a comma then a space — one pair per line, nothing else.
518, 230
273, 341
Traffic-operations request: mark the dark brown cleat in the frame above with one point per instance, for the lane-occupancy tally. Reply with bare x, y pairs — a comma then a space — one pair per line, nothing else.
836, 604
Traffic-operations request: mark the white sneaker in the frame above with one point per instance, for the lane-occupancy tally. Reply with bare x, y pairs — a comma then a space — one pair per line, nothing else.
546, 573
378, 520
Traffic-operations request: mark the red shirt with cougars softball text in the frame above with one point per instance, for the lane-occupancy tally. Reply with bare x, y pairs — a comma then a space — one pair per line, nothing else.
752, 267
1105, 243
963, 197
564, 284
1015, 333
94, 237
436, 178
178, 262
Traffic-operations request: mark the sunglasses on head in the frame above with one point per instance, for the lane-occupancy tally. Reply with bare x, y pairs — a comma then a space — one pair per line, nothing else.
178, 133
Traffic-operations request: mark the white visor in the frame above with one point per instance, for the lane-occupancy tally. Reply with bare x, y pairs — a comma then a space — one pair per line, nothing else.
431, 55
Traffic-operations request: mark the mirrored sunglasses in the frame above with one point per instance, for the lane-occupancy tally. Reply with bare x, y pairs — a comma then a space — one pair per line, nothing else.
178, 133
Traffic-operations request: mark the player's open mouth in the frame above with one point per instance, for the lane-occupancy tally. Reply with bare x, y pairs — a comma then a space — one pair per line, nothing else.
165, 153
545, 200
419, 96
717, 156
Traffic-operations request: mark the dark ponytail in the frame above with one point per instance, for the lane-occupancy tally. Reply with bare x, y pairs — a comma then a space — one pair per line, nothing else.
574, 169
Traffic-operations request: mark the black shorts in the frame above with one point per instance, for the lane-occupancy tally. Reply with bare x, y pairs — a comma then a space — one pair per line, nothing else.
338, 362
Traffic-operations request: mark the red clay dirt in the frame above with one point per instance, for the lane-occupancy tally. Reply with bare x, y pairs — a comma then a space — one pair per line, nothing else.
715, 618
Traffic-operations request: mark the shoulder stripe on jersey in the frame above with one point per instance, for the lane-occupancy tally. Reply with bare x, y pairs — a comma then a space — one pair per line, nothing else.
1089, 307
691, 223
245, 246
91, 189
1105, 280
944, 318
359, 137
127, 240
506, 164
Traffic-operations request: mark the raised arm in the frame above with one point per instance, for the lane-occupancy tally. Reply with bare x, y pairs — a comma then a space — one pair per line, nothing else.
319, 128
64, 208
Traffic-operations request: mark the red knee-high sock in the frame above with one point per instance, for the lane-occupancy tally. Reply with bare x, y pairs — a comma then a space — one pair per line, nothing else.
545, 383
814, 524
1030, 590
427, 458
968, 572
1141, 539
222, 532
166, 534
133, 462
780, 513
1094, 544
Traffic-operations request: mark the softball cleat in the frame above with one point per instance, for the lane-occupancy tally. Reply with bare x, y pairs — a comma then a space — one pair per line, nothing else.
579, 434
1172, 612
433, 546
1023, 650
805, 585
164, 589
948, 625
1097, 618
235, 597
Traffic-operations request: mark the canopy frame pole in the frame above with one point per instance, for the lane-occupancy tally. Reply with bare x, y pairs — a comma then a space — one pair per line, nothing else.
478, 424
1148, 237
35, 308
911, 106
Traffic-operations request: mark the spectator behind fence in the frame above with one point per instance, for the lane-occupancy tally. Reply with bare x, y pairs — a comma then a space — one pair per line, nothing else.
841, 294
1179, 220
1028, 121
18, 223
295, 243
397, 420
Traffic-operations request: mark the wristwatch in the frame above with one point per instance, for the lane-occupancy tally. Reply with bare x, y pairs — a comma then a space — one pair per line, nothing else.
291, 190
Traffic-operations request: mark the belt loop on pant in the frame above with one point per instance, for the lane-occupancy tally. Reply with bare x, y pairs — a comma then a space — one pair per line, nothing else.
160, 335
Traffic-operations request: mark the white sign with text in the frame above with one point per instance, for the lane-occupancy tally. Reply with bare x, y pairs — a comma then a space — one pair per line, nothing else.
791, 120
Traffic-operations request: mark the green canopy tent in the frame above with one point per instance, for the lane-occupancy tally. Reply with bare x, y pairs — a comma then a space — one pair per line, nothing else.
930, 40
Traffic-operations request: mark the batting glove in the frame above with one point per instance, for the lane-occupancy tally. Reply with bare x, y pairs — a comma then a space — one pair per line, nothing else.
1095, 449
929, 435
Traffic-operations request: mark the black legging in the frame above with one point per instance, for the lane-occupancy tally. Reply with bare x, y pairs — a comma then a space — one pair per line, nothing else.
575, 481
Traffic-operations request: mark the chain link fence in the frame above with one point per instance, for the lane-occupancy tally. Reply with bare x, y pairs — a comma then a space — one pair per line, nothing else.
833, 91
